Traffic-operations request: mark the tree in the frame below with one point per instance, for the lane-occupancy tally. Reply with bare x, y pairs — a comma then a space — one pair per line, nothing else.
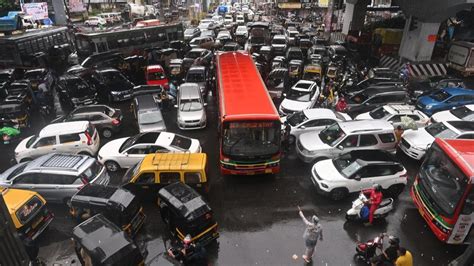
8, 5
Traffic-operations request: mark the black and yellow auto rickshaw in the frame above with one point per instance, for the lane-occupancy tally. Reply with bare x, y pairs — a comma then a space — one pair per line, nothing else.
313, 72
295, 69
14, 114
185, 212
277, 82
119, 206
98, 241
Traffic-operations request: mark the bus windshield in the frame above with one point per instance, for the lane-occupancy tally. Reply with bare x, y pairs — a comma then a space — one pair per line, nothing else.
251, 139
443, 181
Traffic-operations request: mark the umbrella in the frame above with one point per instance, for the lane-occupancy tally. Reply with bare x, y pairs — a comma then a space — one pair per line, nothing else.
408, 123
10, 131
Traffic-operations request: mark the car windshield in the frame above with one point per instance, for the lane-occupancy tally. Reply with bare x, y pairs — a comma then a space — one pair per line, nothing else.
34, 75
463, 113
358, 98
195, 77
4, 77
351, 169
378, 113
113, 77
343, 161
296, 118
156, 75
300, 96
190, 105
128, 142
149, 118
440, 130
332, 134
181, 142
193, 54
443, 181
90, 173
278, 41
257, 40
78, 88
440, 95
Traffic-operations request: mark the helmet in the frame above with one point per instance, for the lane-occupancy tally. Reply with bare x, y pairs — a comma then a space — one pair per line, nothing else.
377, 187
393, 240
315, 219
187, 239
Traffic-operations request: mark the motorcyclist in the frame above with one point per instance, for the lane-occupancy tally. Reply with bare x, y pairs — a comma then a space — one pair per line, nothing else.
185, 252
375, 198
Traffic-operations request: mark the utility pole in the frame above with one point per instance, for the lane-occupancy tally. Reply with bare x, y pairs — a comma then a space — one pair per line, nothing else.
328, 20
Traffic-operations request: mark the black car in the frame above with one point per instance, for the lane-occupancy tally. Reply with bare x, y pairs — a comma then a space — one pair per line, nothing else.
118, 205
181, 47
185, 212
418, 88
107, 59
370, 99
73, 91
40, 77
101, 242
19, 92
198, 56
294, 53
110, 84
371, 82
381, 86
382, 72
7, 76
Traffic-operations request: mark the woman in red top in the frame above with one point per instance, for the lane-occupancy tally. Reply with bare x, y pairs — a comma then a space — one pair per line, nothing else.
375, 198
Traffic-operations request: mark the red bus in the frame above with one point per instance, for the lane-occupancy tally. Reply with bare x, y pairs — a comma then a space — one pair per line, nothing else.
443, 190
249, 124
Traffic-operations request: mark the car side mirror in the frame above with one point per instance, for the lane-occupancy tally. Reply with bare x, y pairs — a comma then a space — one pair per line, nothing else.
340, 147
357, 177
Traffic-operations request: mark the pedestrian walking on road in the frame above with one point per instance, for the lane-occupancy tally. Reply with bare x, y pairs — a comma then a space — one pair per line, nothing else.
312, 234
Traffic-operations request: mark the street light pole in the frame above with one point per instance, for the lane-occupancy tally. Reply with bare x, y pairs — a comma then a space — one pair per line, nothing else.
328, 20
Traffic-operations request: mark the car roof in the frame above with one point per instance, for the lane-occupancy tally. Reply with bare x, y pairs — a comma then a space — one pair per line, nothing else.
92, 108
399, 108
372, 155
103, 195
366, 126
319, 113
190, 91
198, 49
58, 161
458, 91
155, 67
185, 200
174, 161
197, 68
279, 36
64, 128
462, 126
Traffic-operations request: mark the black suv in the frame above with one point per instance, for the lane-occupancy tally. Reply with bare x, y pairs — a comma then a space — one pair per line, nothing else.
370, 99
110, 84
73, 91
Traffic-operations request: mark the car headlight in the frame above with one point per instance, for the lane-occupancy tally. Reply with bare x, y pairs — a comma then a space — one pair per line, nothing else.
114, 92
428, 107
323, 185
418, 148
180, 120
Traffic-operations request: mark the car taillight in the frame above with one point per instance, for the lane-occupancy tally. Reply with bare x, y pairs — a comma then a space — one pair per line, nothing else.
115, 122
89, 138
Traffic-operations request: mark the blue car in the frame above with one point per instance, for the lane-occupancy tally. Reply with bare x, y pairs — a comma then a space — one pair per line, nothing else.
445, 99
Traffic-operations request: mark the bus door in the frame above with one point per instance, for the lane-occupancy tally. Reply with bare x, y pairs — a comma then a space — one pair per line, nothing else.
462, 228
101, 45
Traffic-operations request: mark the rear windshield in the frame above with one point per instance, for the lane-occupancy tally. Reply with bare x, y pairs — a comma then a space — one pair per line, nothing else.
28, 211
90, 173
181, 142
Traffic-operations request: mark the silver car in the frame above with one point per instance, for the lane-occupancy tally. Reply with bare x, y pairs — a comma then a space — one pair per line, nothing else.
57, 177
148, 114
191, 112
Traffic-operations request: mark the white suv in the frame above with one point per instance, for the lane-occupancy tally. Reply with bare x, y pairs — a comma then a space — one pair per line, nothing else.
395, 114
358, 170
343, 137
79, 137
303, 95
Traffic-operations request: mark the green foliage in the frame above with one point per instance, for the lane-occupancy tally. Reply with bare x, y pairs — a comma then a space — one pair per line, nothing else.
8, 5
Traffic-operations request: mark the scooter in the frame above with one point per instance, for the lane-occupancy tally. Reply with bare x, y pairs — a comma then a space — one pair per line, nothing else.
354, 213
366, 251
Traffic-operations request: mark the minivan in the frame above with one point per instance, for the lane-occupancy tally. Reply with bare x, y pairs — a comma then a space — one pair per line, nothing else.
78, 137
191, 112
55, 176
148, 114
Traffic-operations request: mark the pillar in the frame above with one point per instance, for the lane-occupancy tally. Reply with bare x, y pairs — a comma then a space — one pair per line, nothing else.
417, 45
354, 15
60, 17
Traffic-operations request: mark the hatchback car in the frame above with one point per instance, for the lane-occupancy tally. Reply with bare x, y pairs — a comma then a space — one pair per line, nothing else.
445, 99
303, 95
198, 75
223, 37
204, 42
395, 115
73, 91
191, 111
461, 113
311, 120
242, 32
358, 170
55, 176
148, 113
418, 88
294, 53
79, 137
155, 75
342, 137
107, 120
415, 143
126, 152
280, 44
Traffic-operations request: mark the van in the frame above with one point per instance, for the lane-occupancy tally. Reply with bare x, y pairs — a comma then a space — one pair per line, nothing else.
190, 104
147, 113
160, 169
28, 211
78, 137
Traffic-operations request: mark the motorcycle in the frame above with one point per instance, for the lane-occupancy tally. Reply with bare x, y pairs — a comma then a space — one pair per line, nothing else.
366, 251
354, 213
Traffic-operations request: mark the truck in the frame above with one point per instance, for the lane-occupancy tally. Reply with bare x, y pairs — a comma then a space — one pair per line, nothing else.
11, 22
461, 58
136, 11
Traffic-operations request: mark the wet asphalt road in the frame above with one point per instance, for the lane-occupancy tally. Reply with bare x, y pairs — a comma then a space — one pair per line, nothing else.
257, 215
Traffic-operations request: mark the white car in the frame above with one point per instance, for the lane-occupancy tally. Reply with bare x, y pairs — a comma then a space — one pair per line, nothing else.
240, 19
311, 120
358, 170
126, 152
228, 19
303, 95
415, 143
461, 113
393, 113
242, 31
78, 137
223, 36
95, 21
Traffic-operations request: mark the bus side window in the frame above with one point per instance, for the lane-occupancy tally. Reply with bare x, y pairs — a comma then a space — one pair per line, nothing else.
468, 207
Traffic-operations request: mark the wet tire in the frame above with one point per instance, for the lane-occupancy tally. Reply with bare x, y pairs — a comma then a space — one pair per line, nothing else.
338, 194
395, 190
107, 133
112, 166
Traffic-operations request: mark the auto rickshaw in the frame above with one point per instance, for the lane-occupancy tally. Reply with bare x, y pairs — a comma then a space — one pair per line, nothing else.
15, 114
176, 71
276, 82
29, 212
185, 212
313, 73
98, 241
332, 71
295, 69
118, 205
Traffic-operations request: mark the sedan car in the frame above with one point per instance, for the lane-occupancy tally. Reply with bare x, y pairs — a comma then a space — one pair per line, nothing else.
462, 113
418, 88
74, 91
191, 33
311, 120
303, 95
415, 143
107, 121
111, 85
126, 152
358, 170
223, 37
445, 99
394, 114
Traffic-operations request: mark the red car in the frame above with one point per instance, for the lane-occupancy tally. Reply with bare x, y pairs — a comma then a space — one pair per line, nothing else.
155, 75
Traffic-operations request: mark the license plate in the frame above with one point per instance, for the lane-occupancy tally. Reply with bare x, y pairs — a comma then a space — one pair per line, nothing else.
268, 171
